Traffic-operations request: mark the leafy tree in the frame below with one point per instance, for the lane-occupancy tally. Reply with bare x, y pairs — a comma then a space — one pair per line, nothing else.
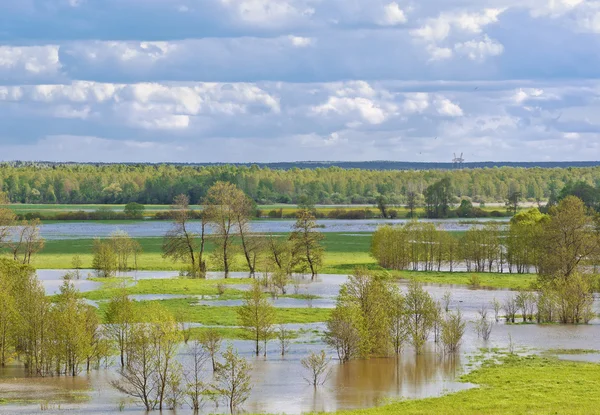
104, 261
306, 242
257, 315
588, 194
512, 203
120, 317
233, 379
134, 210
453, 330
420, 311
438, 197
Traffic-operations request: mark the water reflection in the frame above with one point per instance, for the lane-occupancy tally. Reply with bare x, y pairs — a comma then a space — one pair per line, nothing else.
83, 230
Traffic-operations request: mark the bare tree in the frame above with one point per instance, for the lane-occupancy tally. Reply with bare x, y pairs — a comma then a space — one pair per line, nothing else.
284, 337
28, 241
317, 364
180, 243
195, 385
211, 341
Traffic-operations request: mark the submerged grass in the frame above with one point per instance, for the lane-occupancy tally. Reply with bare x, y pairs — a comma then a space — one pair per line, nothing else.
518, 385
484, 280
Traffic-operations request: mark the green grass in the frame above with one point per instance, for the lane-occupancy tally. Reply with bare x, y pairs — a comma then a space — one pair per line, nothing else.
176, 286
519, 386
186, 310
486, 280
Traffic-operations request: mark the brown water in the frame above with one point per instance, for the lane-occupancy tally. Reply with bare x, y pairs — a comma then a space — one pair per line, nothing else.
279, 383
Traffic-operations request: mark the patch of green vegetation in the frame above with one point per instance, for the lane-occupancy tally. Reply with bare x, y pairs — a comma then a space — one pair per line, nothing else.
517, 386
186, 310
485, 280
175, 286
571, 351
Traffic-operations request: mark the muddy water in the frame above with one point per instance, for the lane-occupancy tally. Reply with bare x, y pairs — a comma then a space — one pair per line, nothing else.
279, 384
82, 230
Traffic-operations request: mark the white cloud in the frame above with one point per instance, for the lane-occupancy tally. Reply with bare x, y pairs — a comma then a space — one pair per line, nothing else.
34, 60
366, 108
393, 15
439, 28
268, 13
448, 108
554, 8
415, 102
479, 50
300, 42
590, 22
437, 54
524, 94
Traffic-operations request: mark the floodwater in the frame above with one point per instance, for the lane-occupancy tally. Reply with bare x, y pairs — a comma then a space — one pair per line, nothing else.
82, 230
279, 384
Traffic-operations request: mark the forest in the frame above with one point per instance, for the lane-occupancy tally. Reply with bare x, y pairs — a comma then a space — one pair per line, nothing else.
159, 184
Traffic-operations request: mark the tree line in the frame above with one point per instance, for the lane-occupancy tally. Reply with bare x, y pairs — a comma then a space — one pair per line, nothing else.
159, 184
562, 247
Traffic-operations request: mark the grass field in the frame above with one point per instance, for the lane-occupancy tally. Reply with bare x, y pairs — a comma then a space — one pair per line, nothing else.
343, 254
187, 311
518, 386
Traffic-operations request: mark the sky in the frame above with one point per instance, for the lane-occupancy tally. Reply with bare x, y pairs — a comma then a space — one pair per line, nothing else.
289, 80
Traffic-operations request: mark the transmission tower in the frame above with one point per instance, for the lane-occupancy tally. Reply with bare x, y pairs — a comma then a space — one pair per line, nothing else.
457, 162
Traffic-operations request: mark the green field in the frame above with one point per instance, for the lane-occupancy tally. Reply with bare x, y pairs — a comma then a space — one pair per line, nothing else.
187, 311
343, 254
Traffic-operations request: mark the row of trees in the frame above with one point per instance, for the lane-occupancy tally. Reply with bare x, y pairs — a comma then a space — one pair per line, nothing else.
61, 337
551, 244
159, 184
229, 211
21, 239
373, 318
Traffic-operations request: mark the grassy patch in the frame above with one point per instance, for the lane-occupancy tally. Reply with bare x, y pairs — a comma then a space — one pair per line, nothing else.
571, 351
486, 280
186, 310
175, 286
519, 386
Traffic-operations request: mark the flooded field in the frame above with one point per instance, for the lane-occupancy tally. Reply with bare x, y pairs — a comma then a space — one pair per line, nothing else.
279, 384
81, 230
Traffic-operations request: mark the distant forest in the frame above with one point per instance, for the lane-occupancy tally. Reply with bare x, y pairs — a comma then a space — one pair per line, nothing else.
322, 183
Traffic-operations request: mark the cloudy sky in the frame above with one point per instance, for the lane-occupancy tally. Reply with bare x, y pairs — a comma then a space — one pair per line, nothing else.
285, 80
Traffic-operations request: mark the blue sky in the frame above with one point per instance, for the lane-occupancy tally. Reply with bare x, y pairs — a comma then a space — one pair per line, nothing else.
285, 80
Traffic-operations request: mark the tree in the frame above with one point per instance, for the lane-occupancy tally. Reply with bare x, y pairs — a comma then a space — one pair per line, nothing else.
412, 202
222, 212
124, 246
317, 364
512, 203
233, 379
342, 335
284, 337
120, 317
28, 241
7, 221
306, 242
196, 387
589, 195
437, 198
382, 206
421, 313
151, 364
257, 315
104, 261
453, 330
569, 239
180, 243
211, 340
134, 210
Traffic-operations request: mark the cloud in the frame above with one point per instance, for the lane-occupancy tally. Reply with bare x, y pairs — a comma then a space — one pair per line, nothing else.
393, 15
448, 108
479, 50
31, 60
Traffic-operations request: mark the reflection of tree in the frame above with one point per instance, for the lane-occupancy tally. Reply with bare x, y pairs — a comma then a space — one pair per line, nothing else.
368, 382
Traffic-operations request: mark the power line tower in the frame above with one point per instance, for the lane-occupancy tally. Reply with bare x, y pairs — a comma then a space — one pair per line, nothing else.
457, 162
